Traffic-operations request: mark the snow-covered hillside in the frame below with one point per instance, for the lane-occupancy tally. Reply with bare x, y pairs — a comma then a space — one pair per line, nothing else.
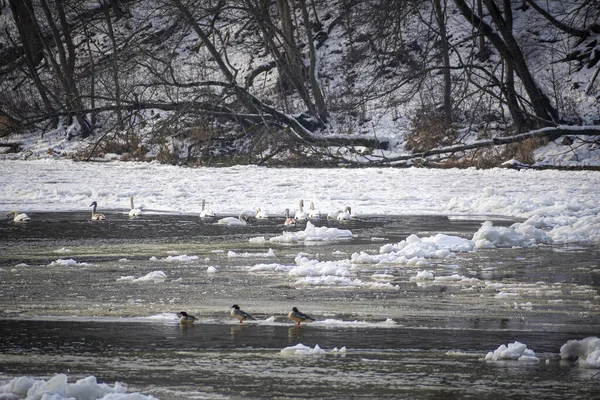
207, 82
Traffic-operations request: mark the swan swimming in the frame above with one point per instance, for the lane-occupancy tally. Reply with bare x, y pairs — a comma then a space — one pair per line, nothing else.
300, 214
18, 217
262, 214
134, 212
288, 219
206, 213
313, 214
298, 316
242, 220
239, 314
184, 318
345, 215
96, 216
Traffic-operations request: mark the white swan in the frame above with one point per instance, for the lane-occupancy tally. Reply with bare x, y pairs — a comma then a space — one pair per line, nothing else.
262, 214
288, 220
345, 215
300, 214
206, 213
18, 217
313, 214
242, 220
134, 212
96, 216
334, 214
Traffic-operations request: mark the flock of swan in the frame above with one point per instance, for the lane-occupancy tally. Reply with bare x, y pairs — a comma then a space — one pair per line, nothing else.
239, 314
241, 220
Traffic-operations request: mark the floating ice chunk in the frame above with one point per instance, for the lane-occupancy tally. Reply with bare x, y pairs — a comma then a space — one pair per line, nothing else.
63, 250
260, 239
307, 267
302, 350
18, 386
313, 233
154, 276
89, 389
184, 258
274, 267
211, 270
502, 294
518, 235
415, 250
168, 317
514, 351
233, 254
422, 276
57, 388
586, 351
343, 350
66, 263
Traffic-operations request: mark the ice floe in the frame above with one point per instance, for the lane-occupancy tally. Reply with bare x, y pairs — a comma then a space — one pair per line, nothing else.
585, 351
514, 351
58, 388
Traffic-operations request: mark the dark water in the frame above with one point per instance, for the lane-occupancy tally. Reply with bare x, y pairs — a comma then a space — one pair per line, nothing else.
416, 341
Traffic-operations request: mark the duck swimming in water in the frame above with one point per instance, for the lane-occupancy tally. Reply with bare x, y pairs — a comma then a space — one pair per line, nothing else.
298, 316
18, 217
96, 216
184, 318
239, 314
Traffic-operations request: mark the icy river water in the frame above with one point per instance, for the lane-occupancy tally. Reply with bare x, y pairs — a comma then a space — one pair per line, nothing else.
86, 298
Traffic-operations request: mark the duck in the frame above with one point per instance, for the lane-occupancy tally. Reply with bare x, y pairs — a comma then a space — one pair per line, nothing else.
298, 316
345, 215
300, 214
313, 214
185, 318
288, 219
134, 212
239, 314
96, 216
206, 213
22, 217
242, 220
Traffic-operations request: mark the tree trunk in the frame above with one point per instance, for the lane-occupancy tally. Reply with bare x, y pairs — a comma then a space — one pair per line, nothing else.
540, 102
509, 76
66, 57
511, 52
33, 48
312, 74
292, 66
441, 19
115, 67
